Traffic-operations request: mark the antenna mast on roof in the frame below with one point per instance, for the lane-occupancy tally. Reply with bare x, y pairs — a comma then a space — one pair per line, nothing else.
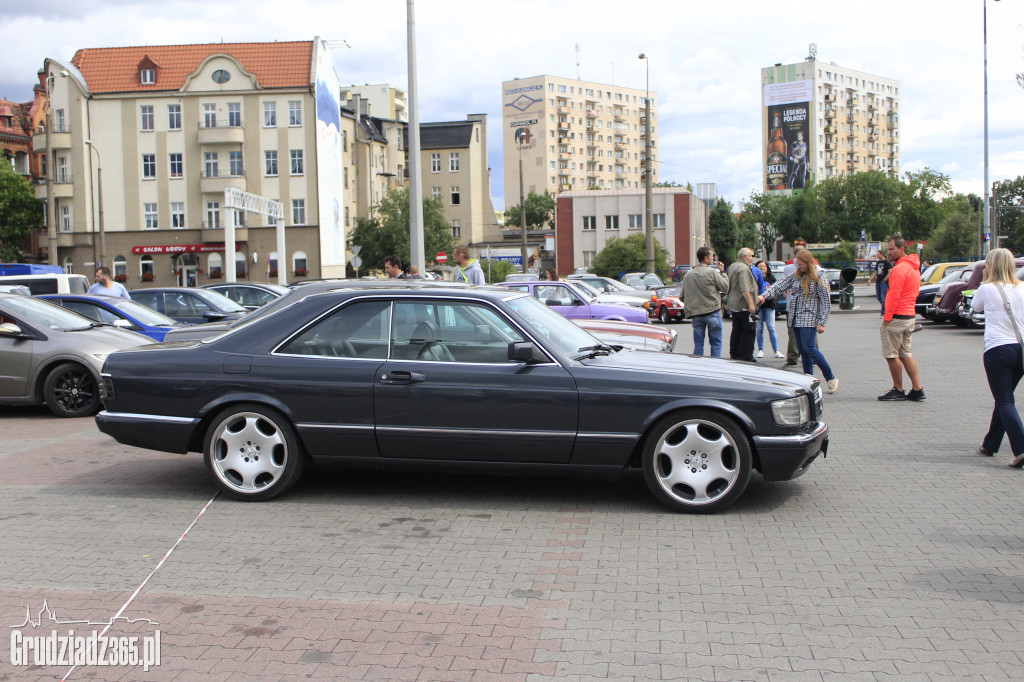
577, 61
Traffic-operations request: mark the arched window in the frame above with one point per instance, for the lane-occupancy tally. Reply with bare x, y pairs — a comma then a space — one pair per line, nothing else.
215, 264
120, 268
272, 263
299, 262
146, 268
239, 265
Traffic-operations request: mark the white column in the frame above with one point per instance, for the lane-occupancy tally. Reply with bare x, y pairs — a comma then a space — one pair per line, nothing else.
229, 240
282, 255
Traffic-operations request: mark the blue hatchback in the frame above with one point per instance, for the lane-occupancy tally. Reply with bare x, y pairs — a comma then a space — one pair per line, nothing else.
119, 312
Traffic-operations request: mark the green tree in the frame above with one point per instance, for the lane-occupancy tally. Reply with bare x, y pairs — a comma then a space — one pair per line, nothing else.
20, 212
801, 216
497, 270
955, 237
723, 231
629, 255
666, 183
1008, 203
539, 211
759, 226
920, 212
388, 232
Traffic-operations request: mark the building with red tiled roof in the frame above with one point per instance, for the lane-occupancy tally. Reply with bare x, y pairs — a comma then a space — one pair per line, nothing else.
18, 122
145, 140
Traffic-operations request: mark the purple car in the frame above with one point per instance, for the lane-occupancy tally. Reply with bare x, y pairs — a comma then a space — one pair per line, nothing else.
574, 304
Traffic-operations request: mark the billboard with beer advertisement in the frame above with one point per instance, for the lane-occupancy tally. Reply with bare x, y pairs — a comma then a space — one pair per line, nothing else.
788, 154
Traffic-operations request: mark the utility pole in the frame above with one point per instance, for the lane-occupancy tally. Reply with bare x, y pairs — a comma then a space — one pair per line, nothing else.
522, 206
648, 191
416, 247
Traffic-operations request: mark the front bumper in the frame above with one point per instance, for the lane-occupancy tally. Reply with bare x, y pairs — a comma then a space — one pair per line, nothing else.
787, 457
149, 431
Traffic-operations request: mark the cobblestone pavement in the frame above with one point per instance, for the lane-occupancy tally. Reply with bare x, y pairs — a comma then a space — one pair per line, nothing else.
900, 556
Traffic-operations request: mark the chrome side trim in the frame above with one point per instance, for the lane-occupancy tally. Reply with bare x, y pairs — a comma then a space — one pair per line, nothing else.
523, 433
608, 436
133, 416
796, 440
335, 427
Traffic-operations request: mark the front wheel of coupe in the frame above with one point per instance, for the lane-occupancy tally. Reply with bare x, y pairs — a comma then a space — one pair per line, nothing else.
696, 461
252, 452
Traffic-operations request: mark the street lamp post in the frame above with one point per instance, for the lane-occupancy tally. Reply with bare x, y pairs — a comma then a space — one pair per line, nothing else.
993, 240
99, 189
522, 207
51, 173
648, 192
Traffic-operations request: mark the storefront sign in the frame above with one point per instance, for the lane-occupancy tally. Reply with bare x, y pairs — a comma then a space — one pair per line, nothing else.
180, 248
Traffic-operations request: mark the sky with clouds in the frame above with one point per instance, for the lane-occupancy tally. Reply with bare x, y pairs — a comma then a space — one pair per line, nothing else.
705, 61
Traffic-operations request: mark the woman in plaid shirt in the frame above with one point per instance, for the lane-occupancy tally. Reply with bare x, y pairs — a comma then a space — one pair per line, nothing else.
809, 308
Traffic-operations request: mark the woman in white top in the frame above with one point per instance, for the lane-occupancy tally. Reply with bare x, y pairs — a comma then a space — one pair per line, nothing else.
1003, 352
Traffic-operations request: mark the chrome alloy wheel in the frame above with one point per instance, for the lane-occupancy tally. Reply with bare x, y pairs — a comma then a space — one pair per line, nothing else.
249, 452
697, 462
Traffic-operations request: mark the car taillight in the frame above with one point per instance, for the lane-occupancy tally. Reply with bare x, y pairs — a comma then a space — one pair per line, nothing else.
106, 388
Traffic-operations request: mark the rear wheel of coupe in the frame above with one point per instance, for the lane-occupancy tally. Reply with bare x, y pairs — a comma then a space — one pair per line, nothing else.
71, 391
696, 461
252, 452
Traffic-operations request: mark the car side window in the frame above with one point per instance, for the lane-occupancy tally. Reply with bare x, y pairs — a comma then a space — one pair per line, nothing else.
146, 298
524, 289
559, 295
451, 331
359, 330
92, 311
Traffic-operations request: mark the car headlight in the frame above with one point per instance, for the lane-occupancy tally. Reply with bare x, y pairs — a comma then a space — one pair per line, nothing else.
791, 411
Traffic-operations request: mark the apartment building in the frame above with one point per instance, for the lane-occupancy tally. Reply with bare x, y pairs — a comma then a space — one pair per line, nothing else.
821, 120
574, 135
588, 220
374, 162
159, 132
454, 169
383, 100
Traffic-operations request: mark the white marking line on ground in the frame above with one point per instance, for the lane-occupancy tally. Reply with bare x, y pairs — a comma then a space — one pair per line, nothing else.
151, 574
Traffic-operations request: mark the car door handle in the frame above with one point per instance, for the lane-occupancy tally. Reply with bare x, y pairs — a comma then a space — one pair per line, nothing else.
399, 377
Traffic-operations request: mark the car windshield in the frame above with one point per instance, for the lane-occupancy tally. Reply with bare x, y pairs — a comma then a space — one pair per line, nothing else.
928, 272
618, 286
557, 330
585, 290
218, 301
669, 291
951, 276
650, 279
146, 316
46, 314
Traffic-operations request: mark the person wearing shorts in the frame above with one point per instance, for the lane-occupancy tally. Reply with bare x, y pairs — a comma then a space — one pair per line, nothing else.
898, 321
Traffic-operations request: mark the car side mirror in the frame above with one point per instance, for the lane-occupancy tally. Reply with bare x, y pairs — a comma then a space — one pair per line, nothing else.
525, 351
10, 329
212, 315
123, 324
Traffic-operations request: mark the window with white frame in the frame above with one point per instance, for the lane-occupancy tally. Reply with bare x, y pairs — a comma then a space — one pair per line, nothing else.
240, 265
120, 267
147, 76
296, 160
215, 265
177, 166
235, 164
270, 162
456, 196
212, 215
146, 266
147, 117
210, 162
270, 114
453, 162
590, 222
456, 228
63, 169
65, 218
235, 114
435, 163
177, 215
298, 211
210, 115
149, 166
636, 221
59, 126
174, 117
611, 222
299, 261
435, 192
658, 220
294, 113
588, 258
150, 214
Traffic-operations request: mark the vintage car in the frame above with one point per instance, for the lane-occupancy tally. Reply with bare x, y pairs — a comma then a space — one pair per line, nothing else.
480, 379
666, 304
572, 302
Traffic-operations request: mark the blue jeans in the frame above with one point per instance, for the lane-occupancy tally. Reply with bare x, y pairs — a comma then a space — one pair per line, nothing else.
881, 289
1004, 371
809, 353
712, 322
766, 318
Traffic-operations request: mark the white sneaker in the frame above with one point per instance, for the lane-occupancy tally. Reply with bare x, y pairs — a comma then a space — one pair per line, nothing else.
833, 385
779, 355
760, 354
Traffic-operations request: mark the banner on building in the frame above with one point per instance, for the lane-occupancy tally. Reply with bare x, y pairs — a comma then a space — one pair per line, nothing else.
788, 156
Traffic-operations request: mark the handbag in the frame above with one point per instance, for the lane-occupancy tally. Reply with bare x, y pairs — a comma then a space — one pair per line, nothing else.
1009, 312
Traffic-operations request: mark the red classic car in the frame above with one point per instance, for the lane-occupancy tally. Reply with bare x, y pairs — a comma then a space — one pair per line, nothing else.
666, 304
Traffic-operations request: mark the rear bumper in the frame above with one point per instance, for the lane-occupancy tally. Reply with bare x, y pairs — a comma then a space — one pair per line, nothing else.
786, 457
149, 431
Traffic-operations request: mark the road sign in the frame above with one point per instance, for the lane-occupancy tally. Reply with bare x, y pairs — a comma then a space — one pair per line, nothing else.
357, 262
441, 257
356, 249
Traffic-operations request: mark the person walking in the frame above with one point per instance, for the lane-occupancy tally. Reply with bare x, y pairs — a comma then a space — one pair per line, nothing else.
105, 286
880, 276
809, 309
469, 270
792, 353
898, 321
702, 291
766, 314
1001, 298
742, 305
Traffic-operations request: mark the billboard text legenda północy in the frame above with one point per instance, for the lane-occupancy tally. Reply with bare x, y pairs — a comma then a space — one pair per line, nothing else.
788, 112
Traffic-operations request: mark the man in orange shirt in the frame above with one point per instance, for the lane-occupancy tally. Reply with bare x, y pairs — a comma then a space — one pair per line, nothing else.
898, 321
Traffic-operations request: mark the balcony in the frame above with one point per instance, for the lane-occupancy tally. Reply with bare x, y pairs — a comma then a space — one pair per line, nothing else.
892, 120
564, 156
619, 117
591, 113
221, 132
563, 110
872, 106
218, 181
830, 112
215, 234
60, 138
830, 162
564, 125
830, 146
63, 188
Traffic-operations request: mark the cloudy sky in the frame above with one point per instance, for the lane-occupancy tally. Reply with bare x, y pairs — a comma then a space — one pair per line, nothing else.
705, 61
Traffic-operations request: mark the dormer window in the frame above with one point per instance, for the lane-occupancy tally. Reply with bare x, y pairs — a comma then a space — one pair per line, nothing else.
147, 76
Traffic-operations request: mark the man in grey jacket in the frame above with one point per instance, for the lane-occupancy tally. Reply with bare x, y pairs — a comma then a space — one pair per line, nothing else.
469, 270
703, 287
742, 304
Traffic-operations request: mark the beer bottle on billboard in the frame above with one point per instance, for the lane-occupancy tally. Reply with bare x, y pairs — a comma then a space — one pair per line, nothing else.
777, 169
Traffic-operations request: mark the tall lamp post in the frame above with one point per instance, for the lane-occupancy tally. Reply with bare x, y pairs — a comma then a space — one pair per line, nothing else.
51, 173
522, 206
993, 239
99, 188
648, 192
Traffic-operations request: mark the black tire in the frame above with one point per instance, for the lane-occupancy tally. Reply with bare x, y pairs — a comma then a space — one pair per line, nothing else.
70, 390
252, 452
664, 316
708, 478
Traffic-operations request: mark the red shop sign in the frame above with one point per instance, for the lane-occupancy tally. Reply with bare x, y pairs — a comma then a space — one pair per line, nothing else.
180, 248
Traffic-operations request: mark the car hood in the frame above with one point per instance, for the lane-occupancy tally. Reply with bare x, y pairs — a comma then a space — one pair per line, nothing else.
622, 299
701, 366
114, 337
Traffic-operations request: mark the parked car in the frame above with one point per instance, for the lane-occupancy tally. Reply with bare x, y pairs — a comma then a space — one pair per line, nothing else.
53, 356
614, 298
950, 295
573, 303
926, 295
522, 277
478, 379
15, 289
666, 304
969, 318
936, 272
630, 334
835, 284
116, 311
679, 271
184, 304
50, 283
607, 285
249, 295
642, 280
